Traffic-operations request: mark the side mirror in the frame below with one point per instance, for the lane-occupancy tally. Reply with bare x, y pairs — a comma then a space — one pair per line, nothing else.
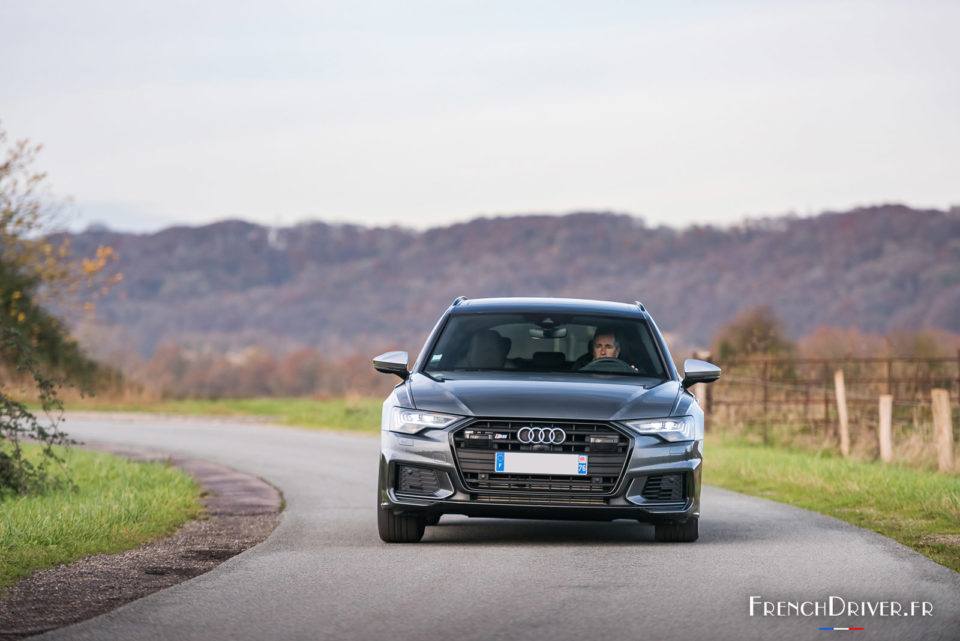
392, 363
695, 371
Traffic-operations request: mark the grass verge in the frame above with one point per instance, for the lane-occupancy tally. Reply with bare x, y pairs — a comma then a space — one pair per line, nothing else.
920, 509
119, 504
351, 414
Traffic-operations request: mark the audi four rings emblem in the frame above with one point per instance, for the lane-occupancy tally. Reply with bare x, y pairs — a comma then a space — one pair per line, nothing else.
546, 435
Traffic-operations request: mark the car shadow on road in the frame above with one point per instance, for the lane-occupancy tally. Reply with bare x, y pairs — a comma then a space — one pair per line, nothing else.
462, 530
520, 531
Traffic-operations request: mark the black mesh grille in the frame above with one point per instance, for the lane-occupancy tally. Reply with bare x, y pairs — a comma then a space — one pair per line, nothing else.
663, 487
477, 443
417, 480
541, 500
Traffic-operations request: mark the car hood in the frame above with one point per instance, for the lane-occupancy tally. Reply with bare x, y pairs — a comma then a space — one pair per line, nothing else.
545, 395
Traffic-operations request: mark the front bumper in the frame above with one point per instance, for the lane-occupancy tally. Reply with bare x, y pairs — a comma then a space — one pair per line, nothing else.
649, 458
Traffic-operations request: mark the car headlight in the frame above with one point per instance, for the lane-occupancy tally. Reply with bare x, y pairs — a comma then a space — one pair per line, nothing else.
408, 421
681, 428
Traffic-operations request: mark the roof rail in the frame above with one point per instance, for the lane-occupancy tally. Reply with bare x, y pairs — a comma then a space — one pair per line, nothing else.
459, 300
640, 305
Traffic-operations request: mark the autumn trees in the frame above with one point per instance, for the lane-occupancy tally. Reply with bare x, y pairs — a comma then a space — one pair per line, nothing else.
756, 331
35, 349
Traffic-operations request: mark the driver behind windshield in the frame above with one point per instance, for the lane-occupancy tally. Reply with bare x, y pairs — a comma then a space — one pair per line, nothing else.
605, 344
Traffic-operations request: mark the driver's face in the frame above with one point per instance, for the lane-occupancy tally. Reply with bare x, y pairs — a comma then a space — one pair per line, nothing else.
604, 346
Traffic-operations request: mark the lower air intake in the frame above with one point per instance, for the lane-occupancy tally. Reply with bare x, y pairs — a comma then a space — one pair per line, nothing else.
663, 487
417, 480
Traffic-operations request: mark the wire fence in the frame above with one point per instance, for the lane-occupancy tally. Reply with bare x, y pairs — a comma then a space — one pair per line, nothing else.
795, 400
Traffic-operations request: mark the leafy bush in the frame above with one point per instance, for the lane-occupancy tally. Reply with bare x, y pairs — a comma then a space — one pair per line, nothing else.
32, 342
19, 475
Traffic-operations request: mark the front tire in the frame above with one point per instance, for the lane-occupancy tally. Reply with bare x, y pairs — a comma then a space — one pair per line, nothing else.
398, 528
685, 532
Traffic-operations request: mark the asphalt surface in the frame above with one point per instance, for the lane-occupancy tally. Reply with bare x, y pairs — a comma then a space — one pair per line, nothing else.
324, 573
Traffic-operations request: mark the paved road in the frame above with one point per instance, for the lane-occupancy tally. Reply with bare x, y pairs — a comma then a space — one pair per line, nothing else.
324, 574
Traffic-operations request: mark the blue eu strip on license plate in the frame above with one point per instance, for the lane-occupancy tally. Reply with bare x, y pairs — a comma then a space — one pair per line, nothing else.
540, 463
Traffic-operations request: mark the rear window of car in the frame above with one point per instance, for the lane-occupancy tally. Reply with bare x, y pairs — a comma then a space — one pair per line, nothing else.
544, 342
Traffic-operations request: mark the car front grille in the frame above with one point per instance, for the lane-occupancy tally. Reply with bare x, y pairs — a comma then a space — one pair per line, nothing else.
477, 443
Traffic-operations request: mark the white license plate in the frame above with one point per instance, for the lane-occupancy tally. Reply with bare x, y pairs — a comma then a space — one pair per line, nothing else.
540, 463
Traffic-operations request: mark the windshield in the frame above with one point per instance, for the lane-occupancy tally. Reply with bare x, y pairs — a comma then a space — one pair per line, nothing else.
547, 343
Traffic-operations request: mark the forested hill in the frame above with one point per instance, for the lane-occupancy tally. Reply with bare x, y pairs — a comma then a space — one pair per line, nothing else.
351, 289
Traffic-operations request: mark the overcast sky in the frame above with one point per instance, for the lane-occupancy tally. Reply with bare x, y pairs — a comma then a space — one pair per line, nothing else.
424, 113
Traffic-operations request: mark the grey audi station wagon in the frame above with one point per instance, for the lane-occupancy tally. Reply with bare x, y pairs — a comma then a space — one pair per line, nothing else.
541, 408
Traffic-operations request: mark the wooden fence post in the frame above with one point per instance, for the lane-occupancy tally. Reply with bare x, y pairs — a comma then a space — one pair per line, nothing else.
884, 434
826, 398
942, 428
763, 375
842, 413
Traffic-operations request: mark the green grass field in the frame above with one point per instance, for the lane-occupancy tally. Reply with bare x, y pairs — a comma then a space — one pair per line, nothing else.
119, 505
921, 509
355, 414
